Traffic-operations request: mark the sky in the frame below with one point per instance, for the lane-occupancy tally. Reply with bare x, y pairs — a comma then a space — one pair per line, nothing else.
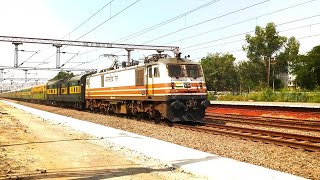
218, 27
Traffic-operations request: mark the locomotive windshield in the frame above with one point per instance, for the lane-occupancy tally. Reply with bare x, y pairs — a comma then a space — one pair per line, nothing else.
188, 70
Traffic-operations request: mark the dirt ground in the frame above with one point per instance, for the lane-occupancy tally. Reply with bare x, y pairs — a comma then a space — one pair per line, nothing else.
31, 148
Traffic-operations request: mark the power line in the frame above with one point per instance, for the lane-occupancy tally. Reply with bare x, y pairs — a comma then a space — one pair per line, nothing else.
216, 45
108, 19
299, 38
237, 23
29, 57
244, 39
99, 25
240, 22
299, 27
88, 19
90, 62
243, 33
202, 22
94, 14
165, 22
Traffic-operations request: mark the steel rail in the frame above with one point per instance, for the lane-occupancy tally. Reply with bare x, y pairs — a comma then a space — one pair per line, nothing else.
306, 121
291, 140
278, 124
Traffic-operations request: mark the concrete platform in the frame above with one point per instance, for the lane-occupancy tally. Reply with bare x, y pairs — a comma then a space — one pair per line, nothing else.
189, 160
271, 104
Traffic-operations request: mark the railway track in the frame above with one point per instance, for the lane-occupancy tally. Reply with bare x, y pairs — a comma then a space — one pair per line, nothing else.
308, 143
305, 125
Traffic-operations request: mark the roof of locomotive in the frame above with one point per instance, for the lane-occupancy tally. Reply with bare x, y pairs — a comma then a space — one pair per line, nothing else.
53, 82
159, 61
175, 61
75, 78
39, 85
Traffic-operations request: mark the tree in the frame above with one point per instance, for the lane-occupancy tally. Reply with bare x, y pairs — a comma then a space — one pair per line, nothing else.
307, 69
220, 72
264, 46
250, 74
288, 57
62, 75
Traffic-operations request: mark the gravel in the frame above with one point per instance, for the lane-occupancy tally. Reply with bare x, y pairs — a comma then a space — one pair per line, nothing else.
293, 161
276, 129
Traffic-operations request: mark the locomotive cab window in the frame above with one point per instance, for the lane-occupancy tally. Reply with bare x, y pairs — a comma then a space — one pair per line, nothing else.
193, 70
156, 72
174, 70
188, 70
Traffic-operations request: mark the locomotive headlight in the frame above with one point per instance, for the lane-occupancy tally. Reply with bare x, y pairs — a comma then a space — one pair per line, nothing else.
172, 85
200, 84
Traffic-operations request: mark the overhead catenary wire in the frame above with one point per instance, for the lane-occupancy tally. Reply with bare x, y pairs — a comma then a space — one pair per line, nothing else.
244, 33
284, 23
237, 23
94, 14
108, 19
97, 59
99, 25
143, 31
81, 24
202, 22
299, 38
208, 20
240, 22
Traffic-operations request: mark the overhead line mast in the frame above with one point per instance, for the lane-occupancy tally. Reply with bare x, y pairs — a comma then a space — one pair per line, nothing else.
85, 43
58, 43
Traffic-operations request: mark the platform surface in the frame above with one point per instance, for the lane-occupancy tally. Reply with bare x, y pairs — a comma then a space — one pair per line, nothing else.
272, 104
190, 160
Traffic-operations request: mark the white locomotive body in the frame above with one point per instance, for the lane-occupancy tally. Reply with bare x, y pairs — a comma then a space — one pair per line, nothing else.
163, 88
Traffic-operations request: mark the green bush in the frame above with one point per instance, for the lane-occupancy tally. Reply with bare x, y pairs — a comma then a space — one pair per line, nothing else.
211, 97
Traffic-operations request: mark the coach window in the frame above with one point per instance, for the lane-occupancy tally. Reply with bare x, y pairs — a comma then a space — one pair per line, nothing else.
156, 72
150, 72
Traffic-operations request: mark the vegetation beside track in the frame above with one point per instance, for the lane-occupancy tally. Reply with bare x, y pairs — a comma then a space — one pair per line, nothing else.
268, 95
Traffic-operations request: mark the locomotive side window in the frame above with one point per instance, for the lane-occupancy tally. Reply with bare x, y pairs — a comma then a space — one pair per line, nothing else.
102, 80
156, 72
150, 72
139, 77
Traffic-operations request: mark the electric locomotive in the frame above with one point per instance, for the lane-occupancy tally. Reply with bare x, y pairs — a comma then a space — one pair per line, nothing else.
164, 87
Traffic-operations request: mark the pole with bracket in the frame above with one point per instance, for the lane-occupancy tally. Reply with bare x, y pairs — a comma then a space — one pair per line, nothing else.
16, 44
25, 75
1, 75
58, 46
129, 56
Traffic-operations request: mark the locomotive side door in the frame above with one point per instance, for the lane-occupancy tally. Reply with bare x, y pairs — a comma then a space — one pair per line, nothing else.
150, 81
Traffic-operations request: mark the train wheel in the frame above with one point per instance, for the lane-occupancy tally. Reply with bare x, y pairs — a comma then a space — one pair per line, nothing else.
157, 117
169, 123
139, 116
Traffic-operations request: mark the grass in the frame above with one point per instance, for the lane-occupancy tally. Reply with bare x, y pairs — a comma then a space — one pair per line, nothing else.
268, 95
